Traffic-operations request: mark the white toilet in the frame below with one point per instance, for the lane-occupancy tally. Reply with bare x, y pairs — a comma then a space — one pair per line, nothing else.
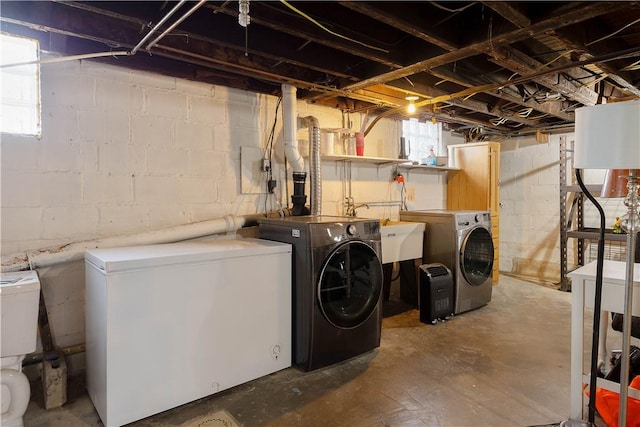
19, 302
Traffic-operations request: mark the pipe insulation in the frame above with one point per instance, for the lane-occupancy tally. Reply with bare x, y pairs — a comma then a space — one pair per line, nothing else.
39, 258
314, 164
289, 128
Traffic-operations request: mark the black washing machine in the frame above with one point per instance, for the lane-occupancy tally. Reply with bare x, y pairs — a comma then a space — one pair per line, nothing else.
337, 285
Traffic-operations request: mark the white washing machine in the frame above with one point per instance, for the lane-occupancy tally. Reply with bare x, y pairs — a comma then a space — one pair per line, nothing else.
461, 240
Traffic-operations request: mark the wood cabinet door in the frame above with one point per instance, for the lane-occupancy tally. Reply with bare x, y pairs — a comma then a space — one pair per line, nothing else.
469, 188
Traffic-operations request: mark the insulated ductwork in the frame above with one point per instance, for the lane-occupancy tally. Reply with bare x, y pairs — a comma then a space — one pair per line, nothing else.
314, 163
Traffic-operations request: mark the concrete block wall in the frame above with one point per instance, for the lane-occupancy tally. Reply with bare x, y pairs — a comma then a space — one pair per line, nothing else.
124, 151
530, 206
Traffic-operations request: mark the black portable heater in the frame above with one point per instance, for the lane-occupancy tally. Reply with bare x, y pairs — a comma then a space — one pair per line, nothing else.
436, 293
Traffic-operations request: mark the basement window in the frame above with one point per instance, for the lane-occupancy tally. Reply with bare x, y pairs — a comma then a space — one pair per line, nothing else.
422, 137
19, 86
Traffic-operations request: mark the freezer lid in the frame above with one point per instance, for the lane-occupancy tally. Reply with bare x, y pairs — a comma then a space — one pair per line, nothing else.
134, 257
19, 281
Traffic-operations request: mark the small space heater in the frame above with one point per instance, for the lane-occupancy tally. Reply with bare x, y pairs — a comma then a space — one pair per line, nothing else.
436, 293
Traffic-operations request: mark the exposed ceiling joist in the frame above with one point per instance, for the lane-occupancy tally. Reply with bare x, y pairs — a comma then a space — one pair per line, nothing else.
508, 67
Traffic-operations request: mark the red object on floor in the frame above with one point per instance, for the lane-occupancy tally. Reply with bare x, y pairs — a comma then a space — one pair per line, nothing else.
607, 404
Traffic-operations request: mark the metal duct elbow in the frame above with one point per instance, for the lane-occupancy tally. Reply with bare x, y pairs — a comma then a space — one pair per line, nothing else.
289, 128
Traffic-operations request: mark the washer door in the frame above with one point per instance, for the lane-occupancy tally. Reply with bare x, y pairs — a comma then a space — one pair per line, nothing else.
350, 284
476, 256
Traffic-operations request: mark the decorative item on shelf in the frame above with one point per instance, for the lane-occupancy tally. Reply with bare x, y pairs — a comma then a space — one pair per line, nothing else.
431, 159
617, 226
608, 137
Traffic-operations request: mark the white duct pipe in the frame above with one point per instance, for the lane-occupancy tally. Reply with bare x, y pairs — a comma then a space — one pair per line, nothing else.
289, 128
75, 251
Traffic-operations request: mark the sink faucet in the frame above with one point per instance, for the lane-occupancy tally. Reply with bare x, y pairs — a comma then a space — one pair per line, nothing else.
351, 206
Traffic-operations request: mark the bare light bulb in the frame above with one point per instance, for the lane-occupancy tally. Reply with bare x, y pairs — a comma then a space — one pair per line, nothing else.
243, 16
411, 108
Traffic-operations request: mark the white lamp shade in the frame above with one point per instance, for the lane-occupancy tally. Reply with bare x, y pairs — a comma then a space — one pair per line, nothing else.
608, 136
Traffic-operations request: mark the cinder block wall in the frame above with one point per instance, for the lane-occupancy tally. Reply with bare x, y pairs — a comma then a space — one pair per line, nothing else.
530, 207
125, 152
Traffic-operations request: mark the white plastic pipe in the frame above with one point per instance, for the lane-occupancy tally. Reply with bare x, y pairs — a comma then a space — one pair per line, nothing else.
19, 392
75, 251
289, 128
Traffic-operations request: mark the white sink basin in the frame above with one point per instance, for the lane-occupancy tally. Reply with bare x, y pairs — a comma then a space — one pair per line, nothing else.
401, 240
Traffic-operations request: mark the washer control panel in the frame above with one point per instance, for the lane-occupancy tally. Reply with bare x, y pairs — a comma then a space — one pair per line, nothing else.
467, 219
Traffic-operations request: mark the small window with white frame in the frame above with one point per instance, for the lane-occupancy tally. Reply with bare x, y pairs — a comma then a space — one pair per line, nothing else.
421, 138
19, 86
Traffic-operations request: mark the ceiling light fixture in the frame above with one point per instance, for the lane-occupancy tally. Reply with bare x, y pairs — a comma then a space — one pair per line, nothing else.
411, 108
243, 13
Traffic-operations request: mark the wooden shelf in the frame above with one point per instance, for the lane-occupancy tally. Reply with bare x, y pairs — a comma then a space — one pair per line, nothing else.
402, 163
427, 168
363, 159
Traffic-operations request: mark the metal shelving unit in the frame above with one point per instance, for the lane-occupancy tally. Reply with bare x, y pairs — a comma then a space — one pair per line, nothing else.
572, 218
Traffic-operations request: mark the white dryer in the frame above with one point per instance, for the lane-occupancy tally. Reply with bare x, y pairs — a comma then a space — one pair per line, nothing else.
461, 240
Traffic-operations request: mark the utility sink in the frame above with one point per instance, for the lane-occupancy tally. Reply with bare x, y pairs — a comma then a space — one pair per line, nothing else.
401, 240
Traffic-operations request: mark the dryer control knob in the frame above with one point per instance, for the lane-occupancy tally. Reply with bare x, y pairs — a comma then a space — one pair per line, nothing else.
351, 230
478, 217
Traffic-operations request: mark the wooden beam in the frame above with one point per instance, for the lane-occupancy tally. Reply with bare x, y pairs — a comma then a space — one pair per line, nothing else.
367, 8
580, 13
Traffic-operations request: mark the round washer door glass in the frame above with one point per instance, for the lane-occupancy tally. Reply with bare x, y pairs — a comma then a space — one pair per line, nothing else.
476, 261
350, 284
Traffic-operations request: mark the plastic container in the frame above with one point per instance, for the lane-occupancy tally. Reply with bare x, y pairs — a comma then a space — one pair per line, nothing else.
327, 143
359, 143
351, 146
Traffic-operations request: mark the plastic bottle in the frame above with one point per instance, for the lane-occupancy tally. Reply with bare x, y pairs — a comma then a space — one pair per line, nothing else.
432, 160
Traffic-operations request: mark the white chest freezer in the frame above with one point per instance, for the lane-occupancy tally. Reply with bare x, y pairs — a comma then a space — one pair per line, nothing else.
168, 324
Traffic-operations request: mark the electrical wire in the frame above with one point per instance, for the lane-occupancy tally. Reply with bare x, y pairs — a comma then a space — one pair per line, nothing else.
268, 153
439, 6
632, 67
403, 197
304, 15
612, 34
524, 113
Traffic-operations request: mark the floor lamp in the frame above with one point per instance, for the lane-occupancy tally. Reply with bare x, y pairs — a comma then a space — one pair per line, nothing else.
608, 137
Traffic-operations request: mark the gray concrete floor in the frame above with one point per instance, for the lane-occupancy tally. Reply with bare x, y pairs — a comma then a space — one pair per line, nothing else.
505, 364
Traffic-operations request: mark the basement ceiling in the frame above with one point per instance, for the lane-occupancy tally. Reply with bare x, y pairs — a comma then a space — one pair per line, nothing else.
482, 68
